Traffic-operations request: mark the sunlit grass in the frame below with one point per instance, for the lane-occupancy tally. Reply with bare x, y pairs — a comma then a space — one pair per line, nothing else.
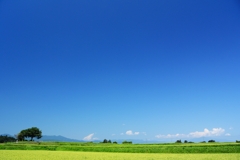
126, 148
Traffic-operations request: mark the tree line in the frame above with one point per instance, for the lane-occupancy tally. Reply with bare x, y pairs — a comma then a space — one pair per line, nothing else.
6, 138
23, 135
115, 142
185, 141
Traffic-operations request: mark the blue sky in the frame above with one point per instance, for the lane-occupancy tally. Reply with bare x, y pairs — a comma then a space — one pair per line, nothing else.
121, 69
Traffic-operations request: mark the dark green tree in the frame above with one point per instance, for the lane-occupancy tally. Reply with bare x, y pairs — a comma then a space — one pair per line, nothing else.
210, 141
178, 141
34, 132
20, 136
105, 141
127, 142
30, 133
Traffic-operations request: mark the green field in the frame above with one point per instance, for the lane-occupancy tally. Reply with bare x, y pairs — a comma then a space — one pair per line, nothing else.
65, 155
101, 151
126, 148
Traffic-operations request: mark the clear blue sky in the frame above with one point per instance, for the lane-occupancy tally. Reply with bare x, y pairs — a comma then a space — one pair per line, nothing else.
120, 69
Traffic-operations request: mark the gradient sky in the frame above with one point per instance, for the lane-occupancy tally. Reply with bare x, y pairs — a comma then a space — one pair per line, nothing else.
118, 69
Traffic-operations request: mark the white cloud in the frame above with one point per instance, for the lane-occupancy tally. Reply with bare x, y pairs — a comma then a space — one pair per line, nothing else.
132, 133
136, 133
197, 134
89, 137
144, 133
129, 132
206, 133
227, 134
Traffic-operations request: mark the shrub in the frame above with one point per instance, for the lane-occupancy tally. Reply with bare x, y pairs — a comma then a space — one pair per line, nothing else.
127, 142
105, 141
178, 141
210, 141
185, 141
237, 141
114, 142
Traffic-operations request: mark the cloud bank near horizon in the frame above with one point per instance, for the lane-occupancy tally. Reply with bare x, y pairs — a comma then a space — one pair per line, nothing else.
196, 134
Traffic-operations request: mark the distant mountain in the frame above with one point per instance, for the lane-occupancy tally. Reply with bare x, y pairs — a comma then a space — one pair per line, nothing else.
52, 138
58, 138
137, 141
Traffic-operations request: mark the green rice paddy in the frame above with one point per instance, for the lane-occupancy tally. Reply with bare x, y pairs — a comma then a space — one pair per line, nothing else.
126, 148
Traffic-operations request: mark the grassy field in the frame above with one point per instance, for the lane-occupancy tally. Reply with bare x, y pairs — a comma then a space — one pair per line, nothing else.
65, 155
126, 148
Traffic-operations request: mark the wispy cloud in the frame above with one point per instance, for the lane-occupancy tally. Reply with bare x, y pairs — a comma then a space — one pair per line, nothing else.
130, 132
144, 133
227, 134
89, 137
196, 134
170, 136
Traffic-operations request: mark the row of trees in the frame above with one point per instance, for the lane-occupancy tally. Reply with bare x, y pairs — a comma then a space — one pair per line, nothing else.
108, 141
6, 138
127, 142
185, 141
31, 133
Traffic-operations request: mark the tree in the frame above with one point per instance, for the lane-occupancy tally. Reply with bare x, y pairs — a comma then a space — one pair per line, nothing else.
105, 141
30, 133
20, 136
178, 141
127, 142
211, 141
34, 132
